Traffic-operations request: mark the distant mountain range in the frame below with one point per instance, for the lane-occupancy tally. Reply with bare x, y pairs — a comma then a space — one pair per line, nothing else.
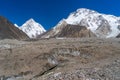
101, 25
81, 23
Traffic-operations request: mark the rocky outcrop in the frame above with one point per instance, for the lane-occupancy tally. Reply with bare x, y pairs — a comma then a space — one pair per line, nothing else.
9, 31
103, 29
75, 31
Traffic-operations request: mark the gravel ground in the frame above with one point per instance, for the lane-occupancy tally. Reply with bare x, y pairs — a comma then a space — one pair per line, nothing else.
60, 59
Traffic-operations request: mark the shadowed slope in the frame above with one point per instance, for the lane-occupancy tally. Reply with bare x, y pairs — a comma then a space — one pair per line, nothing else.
9, 31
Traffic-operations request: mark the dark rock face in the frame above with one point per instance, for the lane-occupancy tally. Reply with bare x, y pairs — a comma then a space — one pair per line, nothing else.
118, 36
9, 31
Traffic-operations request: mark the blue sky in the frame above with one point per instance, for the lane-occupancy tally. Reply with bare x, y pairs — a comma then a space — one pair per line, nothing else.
49, 12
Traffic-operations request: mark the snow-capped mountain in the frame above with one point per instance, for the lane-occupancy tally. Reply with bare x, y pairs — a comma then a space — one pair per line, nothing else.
101, 24
32, 28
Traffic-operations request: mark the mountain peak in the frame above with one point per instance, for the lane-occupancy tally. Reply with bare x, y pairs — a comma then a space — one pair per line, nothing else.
85, 10
31, 20
32, 28
82, 11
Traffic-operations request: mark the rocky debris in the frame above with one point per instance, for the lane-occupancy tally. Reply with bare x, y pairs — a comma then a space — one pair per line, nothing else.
19, 76
108, 72
10, 43
66, 51
66, 58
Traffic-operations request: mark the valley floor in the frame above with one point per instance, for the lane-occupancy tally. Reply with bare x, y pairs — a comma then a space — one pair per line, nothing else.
60, 59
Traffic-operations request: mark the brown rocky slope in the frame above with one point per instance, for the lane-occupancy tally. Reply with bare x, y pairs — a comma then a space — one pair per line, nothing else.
9, 31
